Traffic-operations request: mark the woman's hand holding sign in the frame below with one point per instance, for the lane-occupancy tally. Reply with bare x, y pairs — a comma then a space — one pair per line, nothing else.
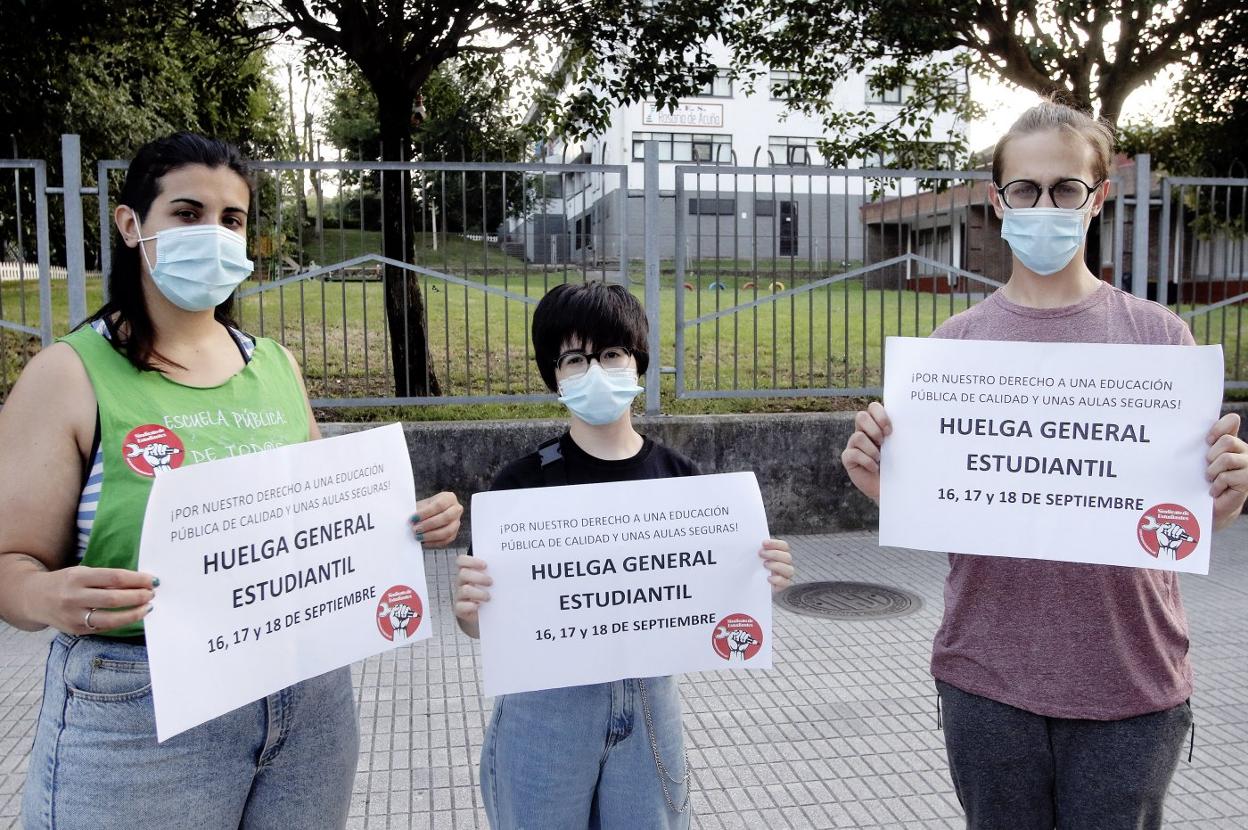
1228, 470
861, 457
79, 600
436, 520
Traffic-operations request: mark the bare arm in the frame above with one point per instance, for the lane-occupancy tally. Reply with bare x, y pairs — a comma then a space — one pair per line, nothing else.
46, 428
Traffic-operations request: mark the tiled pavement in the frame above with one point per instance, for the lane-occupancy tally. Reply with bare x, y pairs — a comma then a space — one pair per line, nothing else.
840, 734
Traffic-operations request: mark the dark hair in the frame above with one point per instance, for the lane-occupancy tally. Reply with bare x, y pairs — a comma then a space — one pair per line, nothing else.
595, 313
126, 312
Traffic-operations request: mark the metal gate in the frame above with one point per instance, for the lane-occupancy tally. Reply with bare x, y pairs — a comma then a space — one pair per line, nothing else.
25, 269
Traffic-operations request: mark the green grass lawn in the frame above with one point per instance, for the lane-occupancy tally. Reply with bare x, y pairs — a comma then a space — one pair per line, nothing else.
829, 337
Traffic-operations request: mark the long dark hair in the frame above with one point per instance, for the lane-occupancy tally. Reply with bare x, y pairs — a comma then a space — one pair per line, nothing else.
126, 312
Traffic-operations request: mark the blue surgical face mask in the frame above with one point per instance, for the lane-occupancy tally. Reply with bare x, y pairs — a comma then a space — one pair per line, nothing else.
599, 396
197, 266
1045, 240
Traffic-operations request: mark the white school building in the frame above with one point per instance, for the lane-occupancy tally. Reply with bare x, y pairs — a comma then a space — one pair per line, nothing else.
782, 212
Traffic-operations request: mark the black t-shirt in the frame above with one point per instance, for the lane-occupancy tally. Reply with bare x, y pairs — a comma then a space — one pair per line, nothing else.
653, 460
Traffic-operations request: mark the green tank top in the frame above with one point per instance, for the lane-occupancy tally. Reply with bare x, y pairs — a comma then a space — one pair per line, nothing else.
150, 424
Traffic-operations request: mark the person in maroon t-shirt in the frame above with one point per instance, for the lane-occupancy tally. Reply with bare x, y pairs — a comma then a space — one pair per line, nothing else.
1064, 686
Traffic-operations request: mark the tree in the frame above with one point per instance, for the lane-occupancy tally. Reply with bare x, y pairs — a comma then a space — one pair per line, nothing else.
470, 116
623, 50
1092, 55
1205, 136
120, 74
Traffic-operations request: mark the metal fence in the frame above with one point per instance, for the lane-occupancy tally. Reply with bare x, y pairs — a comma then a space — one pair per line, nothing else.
26, 294
1202, 259
796, 276
759, 281
475, 260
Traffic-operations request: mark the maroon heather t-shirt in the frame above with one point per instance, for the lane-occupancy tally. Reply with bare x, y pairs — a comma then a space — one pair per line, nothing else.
1065, 640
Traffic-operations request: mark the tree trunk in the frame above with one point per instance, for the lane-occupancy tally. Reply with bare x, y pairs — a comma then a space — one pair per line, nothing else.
1111, 104
405, 309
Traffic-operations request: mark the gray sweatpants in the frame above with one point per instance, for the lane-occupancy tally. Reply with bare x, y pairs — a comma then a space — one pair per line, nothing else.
1015, 770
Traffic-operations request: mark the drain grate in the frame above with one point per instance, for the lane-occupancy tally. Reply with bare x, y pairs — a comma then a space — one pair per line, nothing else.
849, 600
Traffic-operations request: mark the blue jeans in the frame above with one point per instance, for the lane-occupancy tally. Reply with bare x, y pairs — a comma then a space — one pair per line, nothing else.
283, 762
581, 757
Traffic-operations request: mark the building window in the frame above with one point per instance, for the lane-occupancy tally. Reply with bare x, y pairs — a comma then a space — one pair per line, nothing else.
715, 149
584, 234
794, 151
780, 81
895, 95
921, 155
719, 87
712, 207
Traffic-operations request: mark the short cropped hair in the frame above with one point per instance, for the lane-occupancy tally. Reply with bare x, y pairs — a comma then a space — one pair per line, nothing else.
595, 313
1054, 115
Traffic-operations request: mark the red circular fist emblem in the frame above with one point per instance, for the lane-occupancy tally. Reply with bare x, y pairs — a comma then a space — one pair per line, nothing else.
399, 613
737, 637
1168, 532
152, 449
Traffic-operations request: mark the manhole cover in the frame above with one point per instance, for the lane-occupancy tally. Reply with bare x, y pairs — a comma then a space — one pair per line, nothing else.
849, 600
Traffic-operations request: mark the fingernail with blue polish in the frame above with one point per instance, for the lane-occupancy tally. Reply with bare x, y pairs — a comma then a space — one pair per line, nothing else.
420, 537
415, 518
155, 582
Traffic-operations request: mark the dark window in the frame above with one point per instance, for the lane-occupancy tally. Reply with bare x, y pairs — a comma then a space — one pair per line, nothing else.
719, 87
794, 151
700, 147
712, 207
780, 81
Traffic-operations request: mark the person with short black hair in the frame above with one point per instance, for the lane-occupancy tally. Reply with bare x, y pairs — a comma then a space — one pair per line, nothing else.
606, 755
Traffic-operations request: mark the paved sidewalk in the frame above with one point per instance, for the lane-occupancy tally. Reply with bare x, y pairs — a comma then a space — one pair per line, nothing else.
840, 734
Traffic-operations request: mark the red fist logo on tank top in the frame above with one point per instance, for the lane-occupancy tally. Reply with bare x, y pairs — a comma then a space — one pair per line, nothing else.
152, 449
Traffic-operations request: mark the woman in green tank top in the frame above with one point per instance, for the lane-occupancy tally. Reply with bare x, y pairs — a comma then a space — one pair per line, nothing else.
89, 424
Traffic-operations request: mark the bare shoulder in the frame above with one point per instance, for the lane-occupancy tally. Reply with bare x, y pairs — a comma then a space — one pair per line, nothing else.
46, 428
53, 392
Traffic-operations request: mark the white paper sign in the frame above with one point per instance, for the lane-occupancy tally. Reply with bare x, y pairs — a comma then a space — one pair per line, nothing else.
1064, 451
277, 567
601, 582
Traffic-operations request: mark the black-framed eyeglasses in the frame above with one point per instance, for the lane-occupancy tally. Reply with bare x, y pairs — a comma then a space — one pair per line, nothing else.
1068, 194
576, 361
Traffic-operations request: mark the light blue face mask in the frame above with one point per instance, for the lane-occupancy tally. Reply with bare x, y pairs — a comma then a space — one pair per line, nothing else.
1045, 240
197, 266
599, 396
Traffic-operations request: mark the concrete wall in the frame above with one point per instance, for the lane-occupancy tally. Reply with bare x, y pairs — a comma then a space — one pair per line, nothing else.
797, 458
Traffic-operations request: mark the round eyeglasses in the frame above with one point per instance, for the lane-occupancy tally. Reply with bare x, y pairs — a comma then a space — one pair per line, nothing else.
575, 362
1068, 194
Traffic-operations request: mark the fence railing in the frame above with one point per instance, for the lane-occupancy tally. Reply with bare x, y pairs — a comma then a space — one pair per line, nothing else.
1203, 263
792, 277
26, 298
472, 261
759, 281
